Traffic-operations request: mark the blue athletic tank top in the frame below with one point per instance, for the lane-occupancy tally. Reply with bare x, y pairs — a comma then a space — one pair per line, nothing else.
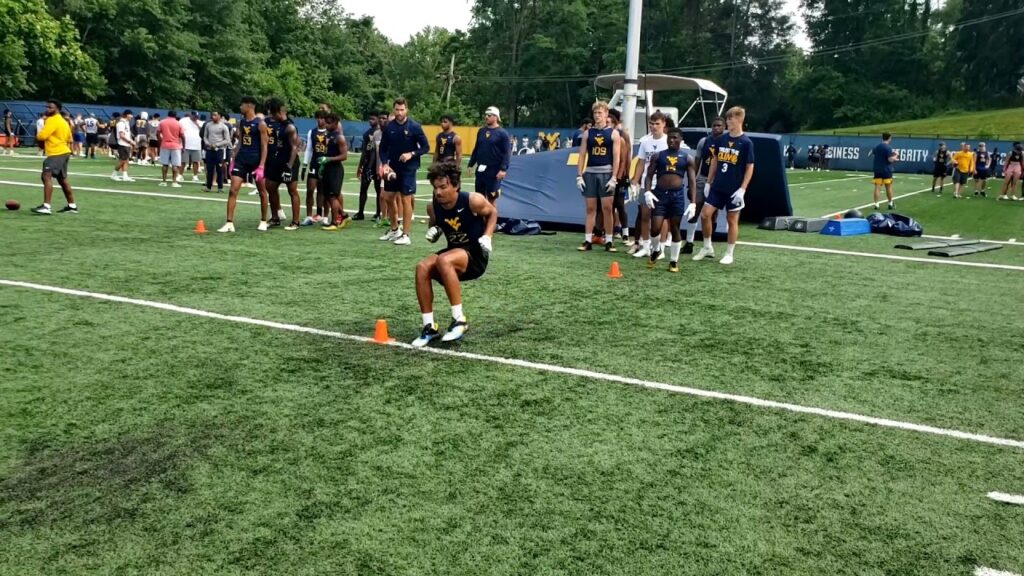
445, 146
599, 146
249, 135
461, 227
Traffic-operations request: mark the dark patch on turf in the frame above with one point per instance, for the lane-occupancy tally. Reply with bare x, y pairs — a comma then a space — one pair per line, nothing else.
102, 482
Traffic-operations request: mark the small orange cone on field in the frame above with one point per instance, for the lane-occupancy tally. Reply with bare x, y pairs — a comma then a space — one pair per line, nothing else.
380, 334
200, 227
615, 272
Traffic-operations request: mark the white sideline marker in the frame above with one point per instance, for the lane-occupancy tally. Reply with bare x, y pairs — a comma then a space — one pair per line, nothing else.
543, 367
983, 571
1007, 498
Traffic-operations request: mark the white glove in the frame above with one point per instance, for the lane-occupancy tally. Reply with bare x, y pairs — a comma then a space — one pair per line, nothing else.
580, 184
433, 234
737, 198
610, 186
650, 199
707, 189
634, 193
691, 211
485, 243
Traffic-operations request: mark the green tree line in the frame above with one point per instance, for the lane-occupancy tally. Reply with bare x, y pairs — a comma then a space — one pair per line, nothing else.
869, 60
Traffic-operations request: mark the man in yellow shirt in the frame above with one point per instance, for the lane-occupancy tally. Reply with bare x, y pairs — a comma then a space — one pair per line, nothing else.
963, 168
55, 137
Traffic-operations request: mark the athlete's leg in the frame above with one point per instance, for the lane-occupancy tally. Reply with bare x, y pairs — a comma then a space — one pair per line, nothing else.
293, 191
47, 187
236, 185
878, 192
447, 269
588, 226
364, 188
407, 211
608, 220
273, 189
310, 196
888, 192
424, 283
261, 187
65, 186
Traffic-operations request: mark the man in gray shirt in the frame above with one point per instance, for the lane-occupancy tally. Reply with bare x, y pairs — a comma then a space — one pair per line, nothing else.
217, 142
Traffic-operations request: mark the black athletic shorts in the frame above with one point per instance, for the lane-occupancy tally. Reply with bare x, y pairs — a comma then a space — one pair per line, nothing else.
57, 166
276, 169
477, 262
939, 171
330, 180
621, 192
124, 153
92, 139
154, 143
313, 170
244, 167
487, 183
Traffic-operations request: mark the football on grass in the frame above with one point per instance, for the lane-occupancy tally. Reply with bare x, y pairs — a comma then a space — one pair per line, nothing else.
13, 205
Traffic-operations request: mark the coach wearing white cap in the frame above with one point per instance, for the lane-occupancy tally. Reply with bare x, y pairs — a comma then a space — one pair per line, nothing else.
490, 156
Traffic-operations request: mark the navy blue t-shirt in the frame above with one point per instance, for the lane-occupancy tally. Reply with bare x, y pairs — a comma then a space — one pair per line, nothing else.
493, 149
881, 155
734, 154
397, 139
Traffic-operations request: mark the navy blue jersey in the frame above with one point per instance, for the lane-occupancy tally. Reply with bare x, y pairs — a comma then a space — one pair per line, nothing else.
734, 154
462, 228
600, 146
982, 159
249, 136
882, 153
942, 157
707, 150
445, 146
493, 149
671, 162
333, 148
398, 139
279, 143
318, 143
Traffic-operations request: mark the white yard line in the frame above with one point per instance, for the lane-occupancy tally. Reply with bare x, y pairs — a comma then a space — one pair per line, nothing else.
543, 367
1007, 498
983, 571
937, 261
872, 204
220, 198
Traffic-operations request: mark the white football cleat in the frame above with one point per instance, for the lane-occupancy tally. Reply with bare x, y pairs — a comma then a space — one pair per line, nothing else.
195, 178
727, 259
643, 252
390, 235
281, 215
263, 226
175, 185
705, 252
228, 227
127, 179
456, 331
162, 184
403, 240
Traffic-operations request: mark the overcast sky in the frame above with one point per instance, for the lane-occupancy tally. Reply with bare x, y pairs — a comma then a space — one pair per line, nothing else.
400, 19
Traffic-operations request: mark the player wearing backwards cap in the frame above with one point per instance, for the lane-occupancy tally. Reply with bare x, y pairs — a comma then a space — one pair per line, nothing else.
282, 161
650, 146
732, 167
491, 156
248, 159
402, 145
598, 162
467, 222
668, 199
332, 173
448, 145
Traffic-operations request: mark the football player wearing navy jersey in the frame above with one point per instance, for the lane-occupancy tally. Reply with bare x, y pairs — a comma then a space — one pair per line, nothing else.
668, 177
732, 167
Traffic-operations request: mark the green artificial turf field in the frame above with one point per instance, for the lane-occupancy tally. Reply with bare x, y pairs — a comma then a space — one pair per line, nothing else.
141, 440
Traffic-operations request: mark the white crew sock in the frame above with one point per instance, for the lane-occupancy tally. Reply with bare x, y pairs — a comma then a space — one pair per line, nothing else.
588, 237
45, 205
428, 318
676, 248
729, 249
691, 232
73, 205
124, 174
457, 312
707, 242
646, 243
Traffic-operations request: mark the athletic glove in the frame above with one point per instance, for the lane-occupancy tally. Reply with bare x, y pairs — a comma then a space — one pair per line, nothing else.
634, 193
737, 198
485, 243
650, 199
433, 234
286, 177
257, 174
580, 184
691, 211
707, 189
610, 186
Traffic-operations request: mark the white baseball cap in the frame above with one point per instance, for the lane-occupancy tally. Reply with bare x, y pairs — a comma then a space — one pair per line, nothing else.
493, 110
144, 115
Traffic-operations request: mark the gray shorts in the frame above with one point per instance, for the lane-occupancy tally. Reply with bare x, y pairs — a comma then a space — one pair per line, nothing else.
170, 157
595, 185
190, 157
57, 166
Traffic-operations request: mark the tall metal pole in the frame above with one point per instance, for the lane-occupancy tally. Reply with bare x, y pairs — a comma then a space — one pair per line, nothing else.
629, 87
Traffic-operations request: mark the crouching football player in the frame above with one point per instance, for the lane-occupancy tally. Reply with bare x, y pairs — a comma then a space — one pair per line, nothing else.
467, 221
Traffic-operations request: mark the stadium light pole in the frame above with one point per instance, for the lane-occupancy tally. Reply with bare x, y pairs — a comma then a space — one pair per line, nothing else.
631, 80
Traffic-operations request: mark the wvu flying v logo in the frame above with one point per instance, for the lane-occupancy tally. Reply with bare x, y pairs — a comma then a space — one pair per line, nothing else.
320, 138
672, 161
487, 134
454, 223
599, 140
247, 130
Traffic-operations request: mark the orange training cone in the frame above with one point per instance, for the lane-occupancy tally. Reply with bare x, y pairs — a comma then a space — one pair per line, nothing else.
200, 227
380, 334
615, 272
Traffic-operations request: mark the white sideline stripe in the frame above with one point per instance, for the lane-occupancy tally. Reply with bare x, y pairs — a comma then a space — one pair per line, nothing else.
872, 204
1007, 498
1010, 242
221, 199
983, 571
846, 179
183, 182
539, 366
885, 256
